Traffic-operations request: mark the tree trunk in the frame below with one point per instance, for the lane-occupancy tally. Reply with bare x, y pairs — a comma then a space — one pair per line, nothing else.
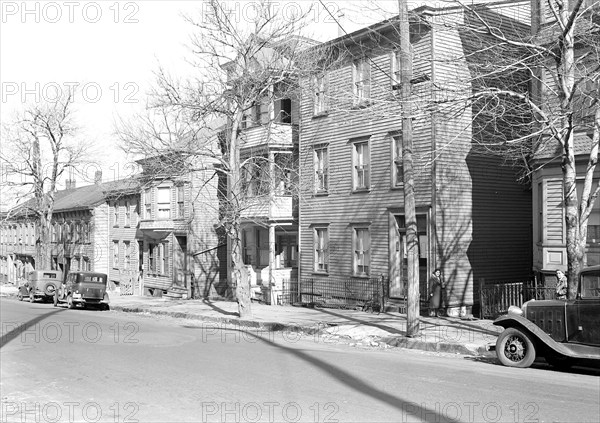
239, 275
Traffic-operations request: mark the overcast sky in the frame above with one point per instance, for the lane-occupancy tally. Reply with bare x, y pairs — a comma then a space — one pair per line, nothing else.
110, 49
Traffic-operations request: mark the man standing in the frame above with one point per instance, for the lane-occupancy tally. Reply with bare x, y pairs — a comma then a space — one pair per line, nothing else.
561, 285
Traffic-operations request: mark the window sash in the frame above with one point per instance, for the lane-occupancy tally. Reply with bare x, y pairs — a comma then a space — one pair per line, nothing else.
321, 250
361, 166
321, 169
362, 248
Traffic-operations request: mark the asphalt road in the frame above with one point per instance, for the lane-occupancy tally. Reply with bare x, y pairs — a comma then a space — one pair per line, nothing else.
60, 365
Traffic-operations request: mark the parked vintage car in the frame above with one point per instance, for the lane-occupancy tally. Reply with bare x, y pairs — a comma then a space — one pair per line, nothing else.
83, 289
564, 332
40, 284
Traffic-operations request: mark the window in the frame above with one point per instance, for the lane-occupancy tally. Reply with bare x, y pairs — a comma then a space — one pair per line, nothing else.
86, 265
361, 241
164, 202
593, 227
148, 203
395, 69
397, 168
263, 112
320, 99
115, 254
180, 202
86, 232
158, 262
321, 258
361, 161
59, 232
116, 214
53, 233
321, 169
126, 255
75, 264
361, 81
151, 258
127, 213
255, 177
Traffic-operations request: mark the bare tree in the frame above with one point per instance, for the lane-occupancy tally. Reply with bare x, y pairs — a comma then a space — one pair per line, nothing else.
40, 146
242, 68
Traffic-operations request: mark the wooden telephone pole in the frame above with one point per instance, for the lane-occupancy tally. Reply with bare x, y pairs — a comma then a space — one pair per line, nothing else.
412, 240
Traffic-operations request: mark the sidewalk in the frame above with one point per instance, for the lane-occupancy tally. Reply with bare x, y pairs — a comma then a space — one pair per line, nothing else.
443, 334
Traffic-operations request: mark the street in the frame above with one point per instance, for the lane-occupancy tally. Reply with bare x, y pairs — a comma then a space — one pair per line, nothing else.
60, 365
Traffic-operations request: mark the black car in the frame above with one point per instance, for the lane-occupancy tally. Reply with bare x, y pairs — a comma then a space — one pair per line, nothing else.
561, 331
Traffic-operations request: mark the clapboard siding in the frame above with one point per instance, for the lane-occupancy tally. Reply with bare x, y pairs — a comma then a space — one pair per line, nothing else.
342, 208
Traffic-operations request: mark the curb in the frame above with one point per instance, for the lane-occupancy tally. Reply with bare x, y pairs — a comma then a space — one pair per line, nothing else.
232, 321
392, 341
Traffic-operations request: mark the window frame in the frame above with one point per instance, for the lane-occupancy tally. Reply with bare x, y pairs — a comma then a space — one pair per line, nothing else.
320, 91
358, 157
321, 249
361, 82
357, 230
397, 165
115, 254
161, 206
321, 169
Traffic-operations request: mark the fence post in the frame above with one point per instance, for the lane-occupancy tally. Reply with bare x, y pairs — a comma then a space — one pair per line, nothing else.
481, 305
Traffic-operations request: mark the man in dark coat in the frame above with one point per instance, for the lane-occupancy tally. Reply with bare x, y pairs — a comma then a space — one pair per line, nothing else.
436, 287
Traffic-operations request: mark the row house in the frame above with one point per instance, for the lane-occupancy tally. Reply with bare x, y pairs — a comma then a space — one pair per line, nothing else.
549, 232
182, 249
269, 142
92, 229
473, 218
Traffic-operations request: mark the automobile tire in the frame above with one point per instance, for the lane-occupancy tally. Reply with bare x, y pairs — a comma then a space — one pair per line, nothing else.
558, 361
515, 349
55, 299
70, 303
31, 297
50, 289
19, 296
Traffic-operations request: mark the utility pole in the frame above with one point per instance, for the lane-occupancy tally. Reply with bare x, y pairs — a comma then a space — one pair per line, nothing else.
412, 240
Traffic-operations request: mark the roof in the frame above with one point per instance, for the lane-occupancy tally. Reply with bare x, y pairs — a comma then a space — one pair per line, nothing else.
86, 197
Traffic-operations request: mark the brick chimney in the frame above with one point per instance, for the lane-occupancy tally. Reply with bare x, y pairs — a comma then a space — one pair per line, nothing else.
98, 177
70, 184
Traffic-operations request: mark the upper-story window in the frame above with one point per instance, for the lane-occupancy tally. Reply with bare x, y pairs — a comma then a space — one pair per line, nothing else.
395, 69
127, 213
126, 255
148, 203
361, 163
180, 202
85, 230
163, 201
361, 81
116, 213
320, 94
321, 158
397, 167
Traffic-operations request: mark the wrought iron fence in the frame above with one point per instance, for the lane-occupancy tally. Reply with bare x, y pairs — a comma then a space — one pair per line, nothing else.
366, 293
496, 298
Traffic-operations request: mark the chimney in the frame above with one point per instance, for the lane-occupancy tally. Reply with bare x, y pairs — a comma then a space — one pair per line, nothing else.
70, 184
98, 177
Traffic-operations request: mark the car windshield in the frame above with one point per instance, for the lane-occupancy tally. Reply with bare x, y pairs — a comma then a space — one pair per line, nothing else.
590, 284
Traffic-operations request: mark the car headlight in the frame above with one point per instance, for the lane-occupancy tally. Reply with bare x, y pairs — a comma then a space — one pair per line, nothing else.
515, 310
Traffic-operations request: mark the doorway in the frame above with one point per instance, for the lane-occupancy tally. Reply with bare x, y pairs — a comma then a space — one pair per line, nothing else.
399, 259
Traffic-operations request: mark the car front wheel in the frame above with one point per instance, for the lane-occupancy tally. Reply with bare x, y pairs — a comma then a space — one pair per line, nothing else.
515, 349
70, 303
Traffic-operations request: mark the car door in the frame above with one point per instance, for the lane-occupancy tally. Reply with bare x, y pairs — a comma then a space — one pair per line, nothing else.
583, 314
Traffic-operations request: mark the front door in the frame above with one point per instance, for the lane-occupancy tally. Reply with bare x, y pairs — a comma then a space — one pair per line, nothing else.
399, 259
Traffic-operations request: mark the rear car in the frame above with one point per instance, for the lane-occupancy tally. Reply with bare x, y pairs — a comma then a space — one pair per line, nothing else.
83, 289
40, 285
564, 332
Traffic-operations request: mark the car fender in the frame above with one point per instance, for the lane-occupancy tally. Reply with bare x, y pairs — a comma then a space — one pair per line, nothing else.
538, 336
